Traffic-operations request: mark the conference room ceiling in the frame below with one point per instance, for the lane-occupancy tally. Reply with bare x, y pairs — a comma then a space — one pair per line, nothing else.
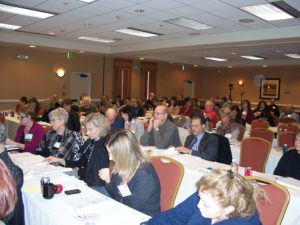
234, 32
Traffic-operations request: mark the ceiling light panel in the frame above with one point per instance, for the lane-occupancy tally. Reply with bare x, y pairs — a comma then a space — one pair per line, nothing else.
24, 12
137, 32
252, 57
96, 39
87, 1
294, 56
216, 59
187, 23
9, 26
267, 12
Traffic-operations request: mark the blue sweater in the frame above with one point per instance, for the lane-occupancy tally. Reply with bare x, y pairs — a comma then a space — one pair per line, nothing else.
144, 187
187, 213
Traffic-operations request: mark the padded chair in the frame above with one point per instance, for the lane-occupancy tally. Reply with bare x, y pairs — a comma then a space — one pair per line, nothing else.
276, 120
224, 150
255, 153
285, 127
170, 173
259, 123
183, 133
286, 138
181, 120
262, 133
272, 210
242, 132
287, 120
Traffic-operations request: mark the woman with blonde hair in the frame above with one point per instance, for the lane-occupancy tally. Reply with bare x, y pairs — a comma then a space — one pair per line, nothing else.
223, 198
134, 181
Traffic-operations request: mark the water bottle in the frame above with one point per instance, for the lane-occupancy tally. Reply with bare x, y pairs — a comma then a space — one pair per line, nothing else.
234, 166
284, 148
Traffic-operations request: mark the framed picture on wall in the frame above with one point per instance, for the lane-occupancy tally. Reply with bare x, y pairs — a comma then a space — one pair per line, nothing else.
269, 88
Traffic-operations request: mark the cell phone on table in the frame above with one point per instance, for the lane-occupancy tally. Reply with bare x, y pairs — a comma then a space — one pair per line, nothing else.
73, 191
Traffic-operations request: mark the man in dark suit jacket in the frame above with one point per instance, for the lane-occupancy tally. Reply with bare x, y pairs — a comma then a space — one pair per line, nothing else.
200, 143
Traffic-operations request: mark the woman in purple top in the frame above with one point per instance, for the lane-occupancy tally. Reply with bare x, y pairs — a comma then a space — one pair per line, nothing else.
30, 133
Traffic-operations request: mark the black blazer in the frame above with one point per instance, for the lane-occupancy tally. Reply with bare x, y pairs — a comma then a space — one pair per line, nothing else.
224, 150
208, 146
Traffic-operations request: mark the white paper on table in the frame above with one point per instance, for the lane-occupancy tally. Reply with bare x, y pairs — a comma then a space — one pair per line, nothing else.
10, 147
289, 182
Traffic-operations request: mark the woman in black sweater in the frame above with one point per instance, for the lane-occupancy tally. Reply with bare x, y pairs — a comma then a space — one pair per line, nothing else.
289, 164
134, 181
94, 154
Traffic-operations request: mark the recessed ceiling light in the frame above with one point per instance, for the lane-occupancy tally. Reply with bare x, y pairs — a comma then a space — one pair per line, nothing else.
229, 67
196, 65
51, 33
294, 56
187, 23
233, 53
96, 39
87, 1
171, 62
215, 59
82, 51
9, 26
32, 46
267, 12
264, 66
252, 57
137, 32
141, 58
25, 12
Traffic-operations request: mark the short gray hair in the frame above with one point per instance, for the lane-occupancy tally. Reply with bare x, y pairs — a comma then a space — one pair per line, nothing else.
60, 113
99, 121
3, 133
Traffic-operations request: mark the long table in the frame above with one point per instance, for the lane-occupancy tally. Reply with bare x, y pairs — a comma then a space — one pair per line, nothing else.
196, 167
88, 207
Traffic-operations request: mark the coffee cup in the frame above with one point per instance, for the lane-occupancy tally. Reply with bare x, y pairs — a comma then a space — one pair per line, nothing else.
49, 189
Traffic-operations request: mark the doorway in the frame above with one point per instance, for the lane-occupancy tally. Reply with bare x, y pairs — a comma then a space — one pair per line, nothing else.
188, 89
80, 82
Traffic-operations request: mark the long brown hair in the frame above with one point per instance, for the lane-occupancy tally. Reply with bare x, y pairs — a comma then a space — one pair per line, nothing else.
8, 191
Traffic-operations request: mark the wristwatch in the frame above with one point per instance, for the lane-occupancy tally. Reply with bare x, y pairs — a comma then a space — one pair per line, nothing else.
157, 129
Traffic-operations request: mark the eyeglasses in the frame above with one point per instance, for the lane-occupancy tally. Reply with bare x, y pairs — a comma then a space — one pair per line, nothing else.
158, 113
52, 120
22, 117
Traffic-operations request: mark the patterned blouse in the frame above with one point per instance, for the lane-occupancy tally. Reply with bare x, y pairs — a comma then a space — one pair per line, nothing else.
70, 140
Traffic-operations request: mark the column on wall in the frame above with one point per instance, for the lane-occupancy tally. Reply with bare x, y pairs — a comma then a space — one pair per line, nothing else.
122, 77
148, 73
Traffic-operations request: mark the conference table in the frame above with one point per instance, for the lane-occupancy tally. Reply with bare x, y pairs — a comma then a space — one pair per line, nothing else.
196, 167
88, 207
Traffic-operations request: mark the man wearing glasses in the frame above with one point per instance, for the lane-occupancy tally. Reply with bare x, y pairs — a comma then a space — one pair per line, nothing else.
161, 132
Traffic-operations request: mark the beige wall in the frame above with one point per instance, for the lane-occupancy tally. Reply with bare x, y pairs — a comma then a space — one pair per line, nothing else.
36, 77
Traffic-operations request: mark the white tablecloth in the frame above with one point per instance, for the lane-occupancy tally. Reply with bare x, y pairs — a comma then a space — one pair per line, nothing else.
195, 168
88, 207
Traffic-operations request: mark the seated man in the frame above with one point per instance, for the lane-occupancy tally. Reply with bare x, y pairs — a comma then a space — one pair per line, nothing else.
210, 113
161, 132
87, 107
200, 143
113, 119
289, 112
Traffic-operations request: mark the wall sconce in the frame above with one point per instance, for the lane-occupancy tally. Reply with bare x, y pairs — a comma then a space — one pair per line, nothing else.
241, 83
60, 72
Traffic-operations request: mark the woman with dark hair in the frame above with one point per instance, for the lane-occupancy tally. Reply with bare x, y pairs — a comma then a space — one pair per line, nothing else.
247, 113
35, 104
187, 108
22, 102
73, 121
262, 112
173, 107
236, 115
131, 121
29, 133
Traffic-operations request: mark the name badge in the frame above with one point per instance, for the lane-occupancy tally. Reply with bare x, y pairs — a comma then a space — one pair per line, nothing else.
124, 190
57, 144
28, 137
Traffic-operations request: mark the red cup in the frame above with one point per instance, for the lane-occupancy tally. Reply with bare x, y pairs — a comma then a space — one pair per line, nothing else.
248, 171
58, 188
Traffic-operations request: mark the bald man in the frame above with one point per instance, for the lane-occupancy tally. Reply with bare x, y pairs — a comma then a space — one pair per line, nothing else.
161, 132
113, 119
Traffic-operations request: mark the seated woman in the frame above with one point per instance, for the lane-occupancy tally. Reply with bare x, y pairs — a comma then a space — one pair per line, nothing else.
95, 156
223, 198
132, 122
73, 121
247, 113
262, 112
134, 181
61, 142
173, 107
29, 133
236, 115
289, 164
227, 127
